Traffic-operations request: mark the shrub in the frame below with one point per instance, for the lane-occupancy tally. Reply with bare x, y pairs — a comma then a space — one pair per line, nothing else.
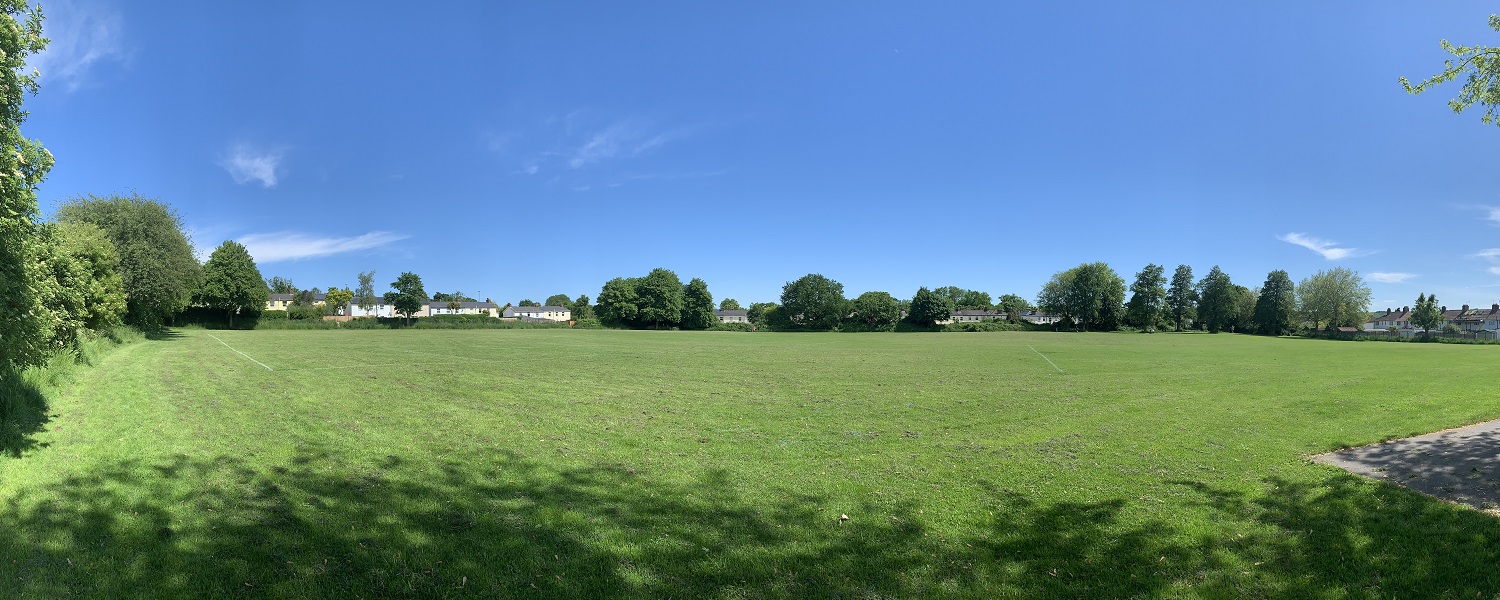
733, 327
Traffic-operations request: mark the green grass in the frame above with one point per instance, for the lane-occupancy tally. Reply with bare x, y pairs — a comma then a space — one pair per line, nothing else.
545, 463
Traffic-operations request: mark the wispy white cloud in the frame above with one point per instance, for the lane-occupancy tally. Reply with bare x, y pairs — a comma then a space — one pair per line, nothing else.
1328, 249
247, 163
1392, 277
1488, 253
1494, 270
281, 246
83, 35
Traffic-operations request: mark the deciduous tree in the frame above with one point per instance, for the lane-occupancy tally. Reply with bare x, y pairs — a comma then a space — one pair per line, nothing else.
1216, 308
232, 283
697, 306
407, 295
1091, 294
660, 298
581, 308
1337, 297
1480, 67
618, 303
1276, 306
876, 310
156, 258
814, 302
928, 307
730, 304
1182, 300
1425, 313
24, 163
1148, 294
281, 285
364, 295
337, 300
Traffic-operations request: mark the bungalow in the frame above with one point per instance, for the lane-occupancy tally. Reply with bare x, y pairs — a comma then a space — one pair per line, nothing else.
1040, 318
549, 313
733, 316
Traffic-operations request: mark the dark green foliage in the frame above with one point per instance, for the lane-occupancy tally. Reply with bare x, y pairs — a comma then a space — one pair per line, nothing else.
1013, 305
581, 309
273, 315
156, 259
1216, 304
660, 298
1425, 313
1275, 308
757, 312
618, 303
558, 300
730, 304
528, 302
1182, 299
698, 306
408, 295
25, 163
814, 303
232, 283
306, 312
929, 307
876, 311
1336, 297
77, 283
282, 285
1148, 296
1090, 294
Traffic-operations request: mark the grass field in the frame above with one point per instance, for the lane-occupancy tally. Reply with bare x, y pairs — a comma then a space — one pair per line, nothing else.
674, 464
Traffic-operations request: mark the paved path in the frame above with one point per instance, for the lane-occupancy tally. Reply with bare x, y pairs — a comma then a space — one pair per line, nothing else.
1462, 465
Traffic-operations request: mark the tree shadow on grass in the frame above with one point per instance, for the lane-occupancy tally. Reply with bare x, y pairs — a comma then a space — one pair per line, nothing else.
314, 526
1350, 536
23, 414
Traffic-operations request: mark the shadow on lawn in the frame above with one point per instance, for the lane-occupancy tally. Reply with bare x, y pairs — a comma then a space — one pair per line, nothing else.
314, 526
23, 413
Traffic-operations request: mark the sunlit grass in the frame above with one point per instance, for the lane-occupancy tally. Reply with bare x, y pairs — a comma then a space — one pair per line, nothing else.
677, 464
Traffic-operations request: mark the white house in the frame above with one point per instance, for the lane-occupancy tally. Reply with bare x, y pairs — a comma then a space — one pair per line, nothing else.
549, 313
465, 308
732, 316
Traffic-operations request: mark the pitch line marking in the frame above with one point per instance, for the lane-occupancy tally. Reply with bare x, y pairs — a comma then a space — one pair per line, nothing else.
252, 359
1044, 357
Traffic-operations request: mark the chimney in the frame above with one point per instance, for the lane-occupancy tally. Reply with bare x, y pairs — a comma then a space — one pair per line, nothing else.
1466, 308
1406, 309
1387, 311
1495, 308
1444, 309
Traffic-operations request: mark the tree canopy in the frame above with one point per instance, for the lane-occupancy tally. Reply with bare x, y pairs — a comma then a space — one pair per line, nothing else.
281, 285
1480, 67
876, 310
1090, 294
231, 282
1336, 297
25, 163
1148, 294
407, 295
1182, 299
1425, 313
364, 295
156, 258
814, 302
1276, 307
557, 300
660, 296
698, 306
1216, 301
928, 307
730, 304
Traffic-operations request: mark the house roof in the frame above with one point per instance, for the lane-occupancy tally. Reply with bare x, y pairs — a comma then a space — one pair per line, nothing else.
540, 308
731, 313
975, 312
444, 304
281, 297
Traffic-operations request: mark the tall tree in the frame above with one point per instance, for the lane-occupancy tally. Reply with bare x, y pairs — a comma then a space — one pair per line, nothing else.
876, 310
281, 285
1091, 294
1013, 305
814, 302
559, 300
1276, 306
407, 295
758, 313
1216, 301
618, 304
232, 283
697, 306
364, 295
730, 304
25, 163
156, 256
928, 307
1337, 297
94, 273
1426, 314
1182, 300
528, 302
1148, 294
661, 301
1480, 65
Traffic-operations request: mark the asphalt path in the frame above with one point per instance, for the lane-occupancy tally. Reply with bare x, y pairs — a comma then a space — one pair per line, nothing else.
1461, 465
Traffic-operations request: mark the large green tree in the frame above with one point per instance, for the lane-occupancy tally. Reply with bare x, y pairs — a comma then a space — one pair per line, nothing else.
1480, 68
1012, 305
156, 257
1276, 306
929, 306
1148, 294
407, 295
1182, 299
1090, 294
759, 312
337, 300
660, 298
618, 304
581, 308
876, 310
1216, 301
281, 285
232, 283
814, 302
24, 163
730, 304
77, 284
364, 295
697, 306
558, 300
1336, 297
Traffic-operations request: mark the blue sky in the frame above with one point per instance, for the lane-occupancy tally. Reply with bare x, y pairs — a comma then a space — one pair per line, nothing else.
517, 150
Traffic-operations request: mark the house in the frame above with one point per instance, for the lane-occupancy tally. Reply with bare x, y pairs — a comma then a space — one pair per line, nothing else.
1478, 319
969, 315
486, 308
733, 316
1391, 318
548, 313
279, 302
384, 309
1037, 317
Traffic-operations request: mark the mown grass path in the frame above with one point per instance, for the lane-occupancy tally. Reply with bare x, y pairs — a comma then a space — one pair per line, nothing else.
553, 463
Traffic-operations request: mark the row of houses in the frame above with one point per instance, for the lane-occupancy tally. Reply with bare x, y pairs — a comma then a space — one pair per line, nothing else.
1465, 319
976, 315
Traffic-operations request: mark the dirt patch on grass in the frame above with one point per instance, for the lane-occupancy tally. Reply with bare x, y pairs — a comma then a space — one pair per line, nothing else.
1460, 465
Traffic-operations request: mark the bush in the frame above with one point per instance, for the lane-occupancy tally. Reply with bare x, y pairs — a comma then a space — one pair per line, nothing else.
992, 325
733, 327
273, 315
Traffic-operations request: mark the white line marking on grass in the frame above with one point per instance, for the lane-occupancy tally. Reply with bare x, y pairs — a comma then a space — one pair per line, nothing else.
1049, 361
268, 368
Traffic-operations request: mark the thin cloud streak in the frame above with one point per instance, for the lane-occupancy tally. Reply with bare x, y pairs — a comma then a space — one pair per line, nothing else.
1392, 277
1327, 248
246, 164
82, 37
283, 246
